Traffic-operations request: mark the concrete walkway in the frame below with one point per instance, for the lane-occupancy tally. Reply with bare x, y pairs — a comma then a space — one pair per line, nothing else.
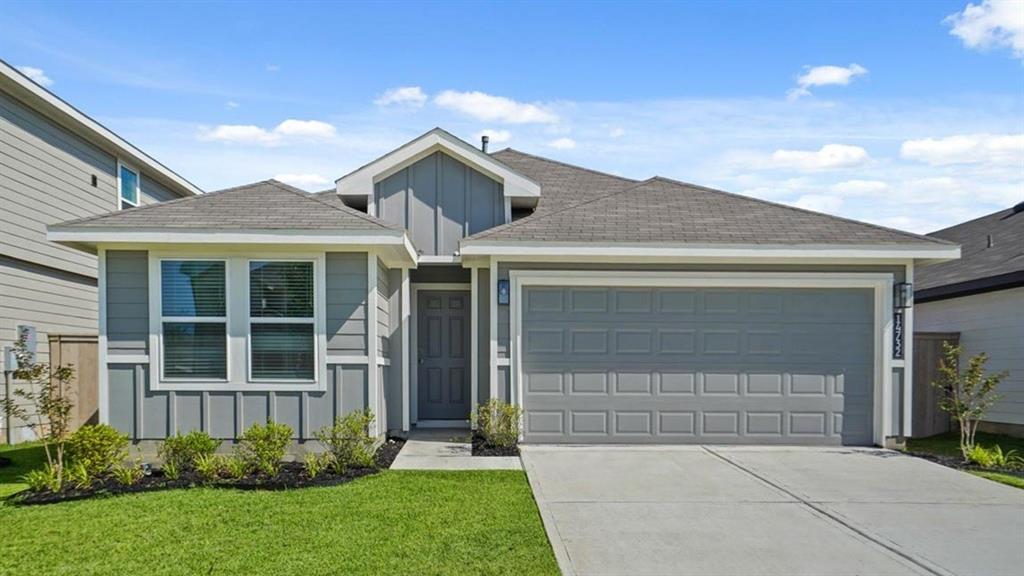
786, 511
447, 449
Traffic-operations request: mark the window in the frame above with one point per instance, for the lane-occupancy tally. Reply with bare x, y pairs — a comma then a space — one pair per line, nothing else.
281, 321
193, 319
128, 182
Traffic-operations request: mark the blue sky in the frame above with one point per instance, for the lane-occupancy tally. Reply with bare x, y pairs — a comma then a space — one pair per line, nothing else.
905, 114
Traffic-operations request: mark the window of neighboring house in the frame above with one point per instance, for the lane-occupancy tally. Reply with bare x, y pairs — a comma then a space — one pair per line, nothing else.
282, 343
193, 319
128, 183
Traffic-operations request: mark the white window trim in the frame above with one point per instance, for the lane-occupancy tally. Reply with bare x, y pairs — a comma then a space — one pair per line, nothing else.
161, 319
237, 321
138, 185
880, 283
250, 320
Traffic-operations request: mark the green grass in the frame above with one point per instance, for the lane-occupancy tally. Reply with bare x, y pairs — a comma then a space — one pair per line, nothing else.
949, 445
396, 522
24, 457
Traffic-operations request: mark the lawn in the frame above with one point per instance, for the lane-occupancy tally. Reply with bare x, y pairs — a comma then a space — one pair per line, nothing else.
396, 522
949, 445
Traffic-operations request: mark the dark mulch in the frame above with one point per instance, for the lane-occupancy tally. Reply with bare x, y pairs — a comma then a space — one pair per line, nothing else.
4, 461
482, 448
958, 463
292, 475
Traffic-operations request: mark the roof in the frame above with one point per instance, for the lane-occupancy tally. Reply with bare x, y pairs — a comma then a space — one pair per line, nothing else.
12, 81
981, 267
267, 205
583, 206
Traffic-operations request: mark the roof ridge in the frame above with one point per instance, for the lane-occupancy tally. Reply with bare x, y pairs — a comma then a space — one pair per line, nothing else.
972, 220
566, 164
535, 217
802, 210
349, 211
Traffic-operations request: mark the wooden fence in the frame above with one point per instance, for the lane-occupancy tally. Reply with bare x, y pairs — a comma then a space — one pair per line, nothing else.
929, 419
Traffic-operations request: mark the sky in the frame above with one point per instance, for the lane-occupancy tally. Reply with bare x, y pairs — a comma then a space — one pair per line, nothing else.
908, 115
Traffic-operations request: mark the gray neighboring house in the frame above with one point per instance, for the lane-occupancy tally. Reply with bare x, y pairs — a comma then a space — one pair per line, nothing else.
981, 296
438, 276
56, 164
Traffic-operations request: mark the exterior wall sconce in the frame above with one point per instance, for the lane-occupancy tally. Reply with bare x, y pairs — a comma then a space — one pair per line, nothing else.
902, 295
503, 292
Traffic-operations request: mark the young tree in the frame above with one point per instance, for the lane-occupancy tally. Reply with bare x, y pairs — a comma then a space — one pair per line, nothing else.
966, 395
48, 392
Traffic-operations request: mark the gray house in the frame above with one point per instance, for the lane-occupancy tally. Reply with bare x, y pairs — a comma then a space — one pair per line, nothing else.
438, 276
981, 297
56, 164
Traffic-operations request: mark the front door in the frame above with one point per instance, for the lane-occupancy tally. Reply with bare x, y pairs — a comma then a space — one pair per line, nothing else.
443, 355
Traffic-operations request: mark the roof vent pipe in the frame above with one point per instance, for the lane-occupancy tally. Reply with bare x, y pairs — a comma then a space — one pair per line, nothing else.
483, 143
989, 241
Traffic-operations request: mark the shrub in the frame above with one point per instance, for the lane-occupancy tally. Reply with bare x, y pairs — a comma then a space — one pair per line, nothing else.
78, 475
262, 447
498, 423
209, 466
235, 467
128, 474
185, 449
966, 395
347, 441
43, 479
993, 457
97, 448
316, 463
171, 470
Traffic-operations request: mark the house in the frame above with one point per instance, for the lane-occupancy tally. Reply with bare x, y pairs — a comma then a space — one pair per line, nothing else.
56, 164
981, 296
438, 276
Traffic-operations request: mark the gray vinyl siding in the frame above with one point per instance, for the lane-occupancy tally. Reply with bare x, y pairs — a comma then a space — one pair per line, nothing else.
144, 414
383, 310
151, 191
394, 409
346, 303
440, 201
127, 302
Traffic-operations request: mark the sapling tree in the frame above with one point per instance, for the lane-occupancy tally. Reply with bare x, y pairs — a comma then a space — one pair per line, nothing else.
45, 403
966, 394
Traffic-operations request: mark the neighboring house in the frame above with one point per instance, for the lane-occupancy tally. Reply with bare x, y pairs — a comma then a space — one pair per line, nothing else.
439, 276
57, 164
981, 296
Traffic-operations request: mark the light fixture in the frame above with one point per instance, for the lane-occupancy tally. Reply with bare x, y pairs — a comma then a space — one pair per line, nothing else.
902, 295
503, 292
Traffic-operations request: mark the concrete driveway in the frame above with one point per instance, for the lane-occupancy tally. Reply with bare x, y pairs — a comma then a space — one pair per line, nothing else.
788, 511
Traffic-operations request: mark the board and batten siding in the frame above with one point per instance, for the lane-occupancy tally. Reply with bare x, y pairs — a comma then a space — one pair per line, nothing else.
383, 310
145, 414
440, 201
992, 323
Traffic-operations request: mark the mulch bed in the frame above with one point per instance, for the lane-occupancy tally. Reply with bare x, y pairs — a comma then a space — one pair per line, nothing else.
958, 463
292, 475
482, 448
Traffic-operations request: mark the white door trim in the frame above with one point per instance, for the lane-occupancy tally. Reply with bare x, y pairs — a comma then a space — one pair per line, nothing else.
881, 283
416, 287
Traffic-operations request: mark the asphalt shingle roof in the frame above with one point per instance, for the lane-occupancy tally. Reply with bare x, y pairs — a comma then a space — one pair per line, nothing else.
977, 259
267, 205
579, 205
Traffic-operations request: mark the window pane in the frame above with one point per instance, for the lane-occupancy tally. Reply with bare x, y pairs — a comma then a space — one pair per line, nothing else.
281, 289
192, 288
282, 351
195, 350
129, 186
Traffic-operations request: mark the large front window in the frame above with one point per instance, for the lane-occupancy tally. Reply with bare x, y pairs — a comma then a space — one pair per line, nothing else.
281, 321
193, 319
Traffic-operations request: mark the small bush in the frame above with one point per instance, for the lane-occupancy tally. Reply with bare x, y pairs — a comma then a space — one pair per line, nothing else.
210, 466
97, 449
316, 463
262, 447
235, 467
347, 441
185, 449
498, 423
171, 470
994, 457
128, 474
78, 475
43, 479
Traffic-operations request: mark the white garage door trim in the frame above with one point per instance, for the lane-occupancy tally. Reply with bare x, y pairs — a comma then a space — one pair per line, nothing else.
882, 285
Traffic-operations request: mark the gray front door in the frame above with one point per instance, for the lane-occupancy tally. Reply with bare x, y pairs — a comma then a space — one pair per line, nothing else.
443, 355
698, 365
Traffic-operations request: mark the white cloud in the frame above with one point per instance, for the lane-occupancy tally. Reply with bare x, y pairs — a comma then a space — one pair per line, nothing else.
991, 24
411, 96
303, 180
232, 104
250, 134
494, 108
562, 144
827, 157
967, 149
494, 136
819, 202
859, 187
825, 76
616, 133
273, 68
36, 74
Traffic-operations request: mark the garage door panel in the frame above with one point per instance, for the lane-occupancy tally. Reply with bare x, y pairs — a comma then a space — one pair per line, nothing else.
798, 370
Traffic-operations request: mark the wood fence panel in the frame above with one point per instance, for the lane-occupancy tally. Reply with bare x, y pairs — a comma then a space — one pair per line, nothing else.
928, 418
81, 352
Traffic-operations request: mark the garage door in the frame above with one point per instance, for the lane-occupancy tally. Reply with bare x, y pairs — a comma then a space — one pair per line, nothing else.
666, 365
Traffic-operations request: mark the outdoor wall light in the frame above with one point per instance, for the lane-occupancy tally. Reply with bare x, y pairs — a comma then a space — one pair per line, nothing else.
502, 291
902, 295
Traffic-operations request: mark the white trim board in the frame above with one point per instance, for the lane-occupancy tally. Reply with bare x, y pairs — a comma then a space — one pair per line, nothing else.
880, 283
416, 288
